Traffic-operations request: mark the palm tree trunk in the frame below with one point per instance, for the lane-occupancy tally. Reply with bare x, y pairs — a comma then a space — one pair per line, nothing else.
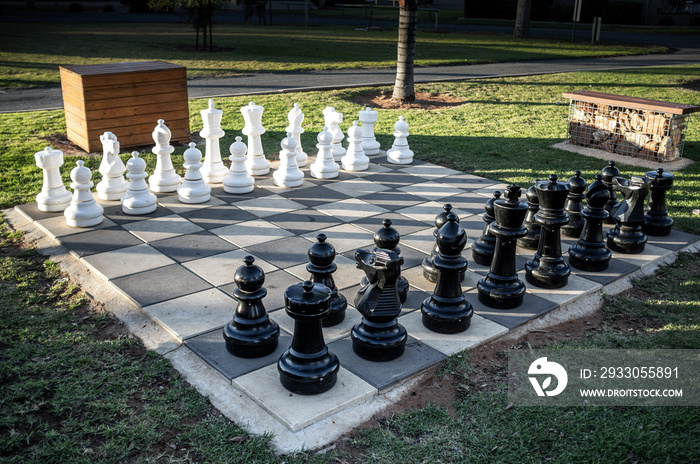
403, 87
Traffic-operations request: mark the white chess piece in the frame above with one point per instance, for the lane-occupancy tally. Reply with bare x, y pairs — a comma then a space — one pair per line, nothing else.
193, 188
355, 158
332, 120
256, 163
399, 152
83, 210
164, 178
238, 179
368, 118
53, 196
138, 199
324, 167
288, 174
296, 117
113, 185
213, 169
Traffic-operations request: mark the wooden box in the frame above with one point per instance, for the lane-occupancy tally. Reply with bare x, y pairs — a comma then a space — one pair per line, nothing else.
126, 99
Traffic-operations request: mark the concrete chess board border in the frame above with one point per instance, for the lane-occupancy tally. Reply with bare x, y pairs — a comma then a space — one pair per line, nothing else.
170, 276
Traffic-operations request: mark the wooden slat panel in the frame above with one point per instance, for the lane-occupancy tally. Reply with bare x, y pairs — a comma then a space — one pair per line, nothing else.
131, 125
178, 109
76, 104
632, 102
135, 101
111, 68
132, 90
133, 78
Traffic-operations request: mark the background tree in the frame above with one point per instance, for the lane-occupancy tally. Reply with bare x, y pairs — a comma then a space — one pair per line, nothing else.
199, 13
408, 16
522, 19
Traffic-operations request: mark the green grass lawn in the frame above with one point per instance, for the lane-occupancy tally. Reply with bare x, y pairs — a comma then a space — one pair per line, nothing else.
73, 394
30, 54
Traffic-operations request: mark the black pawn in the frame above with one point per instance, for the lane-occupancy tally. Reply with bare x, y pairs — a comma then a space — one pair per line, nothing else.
447, 311
590, 253
429, 271
656, 219
501, 288
532, 239
610, 172
321, 267
251, 333
627, 236
379, 336
307, 367
548, 269
388, 238
574, 206
483, 248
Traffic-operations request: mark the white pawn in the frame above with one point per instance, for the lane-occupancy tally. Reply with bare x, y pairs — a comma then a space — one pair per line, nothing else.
288, 174
193, 188
368, 118
256, 163
324, 167
355, 158
213, 169
238, 179
164, 178
332, 120
138, 199
53, 196
296, 117
399, 152
83, 210
113, 185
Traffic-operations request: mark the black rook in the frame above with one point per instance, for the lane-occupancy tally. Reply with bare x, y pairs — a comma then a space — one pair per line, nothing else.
548, 269
308, 367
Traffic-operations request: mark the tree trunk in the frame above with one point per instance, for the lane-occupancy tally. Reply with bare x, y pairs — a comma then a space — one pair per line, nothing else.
403, 87
522, 19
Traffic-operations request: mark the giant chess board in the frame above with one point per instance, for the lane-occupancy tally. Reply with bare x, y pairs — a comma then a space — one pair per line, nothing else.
178, 263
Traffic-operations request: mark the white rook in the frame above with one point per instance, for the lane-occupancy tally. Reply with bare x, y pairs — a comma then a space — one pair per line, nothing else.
368, 118
53, 196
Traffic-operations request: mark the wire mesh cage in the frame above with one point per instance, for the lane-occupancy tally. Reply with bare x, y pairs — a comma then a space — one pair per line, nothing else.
646, 134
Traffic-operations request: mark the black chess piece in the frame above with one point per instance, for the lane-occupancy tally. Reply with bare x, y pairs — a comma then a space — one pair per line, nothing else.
590, 253
321, 267
610, 172
548, 269
483, 248
379, 336
656, 219
387, 238
627, 236
308, 367
532, 239
251, 333
574, 205
447, 311
429, 271
501, 288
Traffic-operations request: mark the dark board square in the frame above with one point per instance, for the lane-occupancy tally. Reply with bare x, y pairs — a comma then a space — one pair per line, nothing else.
118, 216
211, 347
32, 211
99, 241
183, 248
416, 358
217, 216
393, 199
617, 268
314, 196
403, 224
302, 221
164, 283
393, 179
674, 241
532, 307
284, 252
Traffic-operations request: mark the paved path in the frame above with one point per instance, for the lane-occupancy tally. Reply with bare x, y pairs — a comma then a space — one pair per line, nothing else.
687, 52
